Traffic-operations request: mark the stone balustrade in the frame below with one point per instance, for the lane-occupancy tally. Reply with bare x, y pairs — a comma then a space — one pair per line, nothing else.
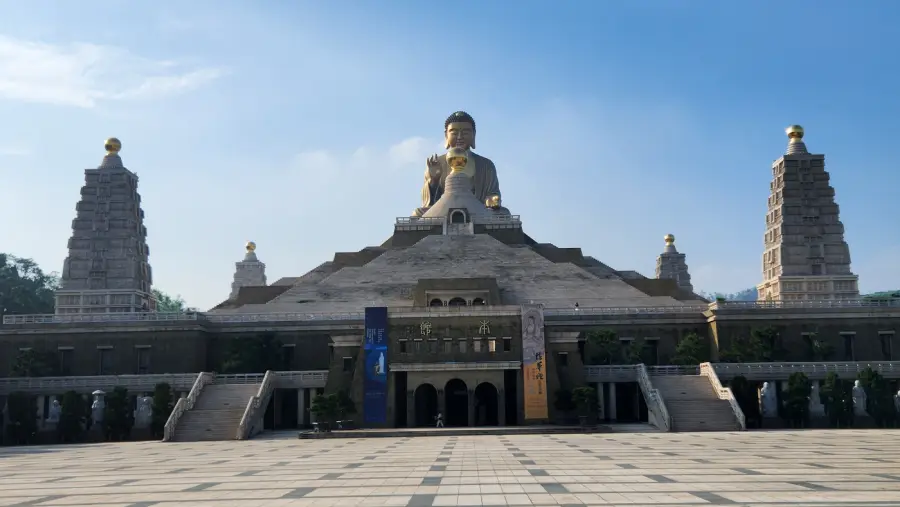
343, 317
181, 382
752, 371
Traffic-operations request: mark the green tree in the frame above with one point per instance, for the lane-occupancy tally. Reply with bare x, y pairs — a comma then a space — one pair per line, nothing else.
691, 350
118, 415
163, 403
758, 347
252, 354
796, 404
603, 347
585, 399
35, 363
879, 397
22, 412
24, 287
72, 417
326, 409
634, 352
819, 349
837, 396
168, 304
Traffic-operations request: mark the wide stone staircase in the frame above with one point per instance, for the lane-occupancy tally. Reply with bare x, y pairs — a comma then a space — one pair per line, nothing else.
217, 413
693, 404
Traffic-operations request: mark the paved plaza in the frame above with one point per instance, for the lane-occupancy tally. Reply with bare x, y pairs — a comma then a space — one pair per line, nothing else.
852, 467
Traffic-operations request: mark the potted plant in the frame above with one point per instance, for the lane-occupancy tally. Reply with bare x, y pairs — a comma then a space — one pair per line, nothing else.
585, 399
325, 408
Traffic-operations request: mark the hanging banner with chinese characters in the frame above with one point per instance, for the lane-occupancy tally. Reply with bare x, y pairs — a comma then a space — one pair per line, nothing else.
534, 367
375, 352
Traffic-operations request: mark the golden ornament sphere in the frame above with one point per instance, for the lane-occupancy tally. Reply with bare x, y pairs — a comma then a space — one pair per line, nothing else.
112, 146
670, 238
251, 246
794, 132
457, 158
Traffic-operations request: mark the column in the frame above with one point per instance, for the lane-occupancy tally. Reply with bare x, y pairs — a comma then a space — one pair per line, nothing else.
612, 401
40, 411
501, 407
410, 409
277, 423
301, 407
600, 408
471, 409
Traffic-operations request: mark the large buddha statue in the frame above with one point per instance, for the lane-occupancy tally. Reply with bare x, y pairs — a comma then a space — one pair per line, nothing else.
459, 132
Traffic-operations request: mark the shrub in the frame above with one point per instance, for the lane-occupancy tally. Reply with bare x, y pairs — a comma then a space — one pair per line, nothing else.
22, 412
796, 404
118, 416
163, 403
585, 399
72, 417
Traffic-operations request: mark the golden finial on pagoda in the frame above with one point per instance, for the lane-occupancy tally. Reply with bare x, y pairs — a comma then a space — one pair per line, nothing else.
670, 239
112, 146
457, 158
794, 133
251, 246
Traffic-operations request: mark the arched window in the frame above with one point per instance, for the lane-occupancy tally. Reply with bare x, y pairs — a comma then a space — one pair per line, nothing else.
436, 302
457, 302
477, 302
458, 217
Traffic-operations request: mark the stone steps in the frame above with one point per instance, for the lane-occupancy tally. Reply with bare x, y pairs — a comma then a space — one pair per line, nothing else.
217, 413
693, 405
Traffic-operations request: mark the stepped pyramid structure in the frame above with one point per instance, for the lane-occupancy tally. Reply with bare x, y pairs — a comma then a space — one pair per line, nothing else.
107, 269
805, 257
671, 265
249, 272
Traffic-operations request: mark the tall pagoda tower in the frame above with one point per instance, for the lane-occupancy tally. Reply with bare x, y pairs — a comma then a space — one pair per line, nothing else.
806, 257
107, 269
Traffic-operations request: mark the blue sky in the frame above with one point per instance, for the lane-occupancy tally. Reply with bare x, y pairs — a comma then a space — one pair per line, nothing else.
304, 125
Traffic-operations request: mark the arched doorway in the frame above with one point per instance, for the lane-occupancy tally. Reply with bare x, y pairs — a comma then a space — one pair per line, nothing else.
457, 302
456, 399
486, 405
426, 403
436, 302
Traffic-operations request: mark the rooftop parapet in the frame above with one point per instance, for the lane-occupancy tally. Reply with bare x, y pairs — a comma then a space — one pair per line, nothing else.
437, 312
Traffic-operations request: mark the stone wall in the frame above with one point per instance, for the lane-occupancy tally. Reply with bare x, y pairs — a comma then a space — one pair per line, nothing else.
867, 336
112, 352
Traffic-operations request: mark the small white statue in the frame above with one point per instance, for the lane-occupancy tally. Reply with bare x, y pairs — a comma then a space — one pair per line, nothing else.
54, 412
859, 399
97, 407
816, 408
143, 415
897, 401
768, 401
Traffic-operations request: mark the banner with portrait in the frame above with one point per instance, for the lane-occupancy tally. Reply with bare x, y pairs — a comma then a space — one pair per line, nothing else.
534, 365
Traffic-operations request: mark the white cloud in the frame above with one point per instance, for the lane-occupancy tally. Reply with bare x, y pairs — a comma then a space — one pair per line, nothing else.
410, 151
82, 75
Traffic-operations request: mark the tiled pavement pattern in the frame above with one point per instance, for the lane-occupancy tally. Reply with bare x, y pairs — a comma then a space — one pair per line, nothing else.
822, 468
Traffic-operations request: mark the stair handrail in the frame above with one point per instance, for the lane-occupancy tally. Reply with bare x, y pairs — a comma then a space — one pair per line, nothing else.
654, 399
724, 393
251, 413
185, 404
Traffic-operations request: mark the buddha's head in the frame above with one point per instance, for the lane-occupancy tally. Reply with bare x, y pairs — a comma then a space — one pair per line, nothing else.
459, 131
457, 158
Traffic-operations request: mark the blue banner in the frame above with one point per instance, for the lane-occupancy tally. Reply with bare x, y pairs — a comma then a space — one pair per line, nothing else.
375, 350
